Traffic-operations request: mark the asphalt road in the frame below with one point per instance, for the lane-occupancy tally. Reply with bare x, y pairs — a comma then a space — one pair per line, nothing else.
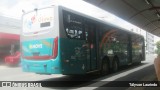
141, 72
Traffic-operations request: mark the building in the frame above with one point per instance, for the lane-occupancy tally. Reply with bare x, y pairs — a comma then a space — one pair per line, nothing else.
149, 43
9, 35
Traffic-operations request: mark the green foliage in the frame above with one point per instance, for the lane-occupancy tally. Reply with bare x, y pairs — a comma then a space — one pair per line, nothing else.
158, 47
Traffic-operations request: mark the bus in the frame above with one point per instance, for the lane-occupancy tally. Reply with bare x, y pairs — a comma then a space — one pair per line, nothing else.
58, 40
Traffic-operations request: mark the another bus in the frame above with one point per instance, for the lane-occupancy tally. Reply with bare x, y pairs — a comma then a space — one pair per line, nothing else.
58, 40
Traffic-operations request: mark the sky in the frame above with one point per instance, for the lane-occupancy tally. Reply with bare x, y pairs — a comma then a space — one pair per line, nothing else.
13, 8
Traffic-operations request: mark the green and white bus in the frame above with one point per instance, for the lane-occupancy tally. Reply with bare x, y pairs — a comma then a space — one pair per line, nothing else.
58, 40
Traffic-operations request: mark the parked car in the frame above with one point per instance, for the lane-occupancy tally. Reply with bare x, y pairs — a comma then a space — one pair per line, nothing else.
13, 59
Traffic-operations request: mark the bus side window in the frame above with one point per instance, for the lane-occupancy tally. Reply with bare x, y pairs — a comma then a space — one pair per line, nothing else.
73, 25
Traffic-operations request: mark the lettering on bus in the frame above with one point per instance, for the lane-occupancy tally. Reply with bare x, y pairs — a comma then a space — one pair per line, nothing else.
44, 19
41, 19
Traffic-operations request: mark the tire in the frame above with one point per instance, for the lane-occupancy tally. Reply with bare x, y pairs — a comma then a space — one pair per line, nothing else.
105, 68
115, 66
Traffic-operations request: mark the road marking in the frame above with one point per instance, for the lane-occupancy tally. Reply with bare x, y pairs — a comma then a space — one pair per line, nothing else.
112, 78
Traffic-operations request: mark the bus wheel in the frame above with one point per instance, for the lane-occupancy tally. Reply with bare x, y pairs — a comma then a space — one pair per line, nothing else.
115, 65
105, 68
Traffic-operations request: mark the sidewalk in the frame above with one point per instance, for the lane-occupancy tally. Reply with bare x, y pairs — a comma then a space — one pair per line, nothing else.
149, 59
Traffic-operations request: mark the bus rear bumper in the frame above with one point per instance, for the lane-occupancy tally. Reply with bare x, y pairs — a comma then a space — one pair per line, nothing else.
41, 67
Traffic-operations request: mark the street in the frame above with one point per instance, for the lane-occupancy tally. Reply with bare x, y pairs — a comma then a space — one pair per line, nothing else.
136, 72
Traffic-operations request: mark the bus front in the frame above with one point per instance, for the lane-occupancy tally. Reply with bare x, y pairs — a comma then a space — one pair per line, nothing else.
39, 41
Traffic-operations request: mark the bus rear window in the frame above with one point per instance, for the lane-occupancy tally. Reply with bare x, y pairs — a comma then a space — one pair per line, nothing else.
39, 20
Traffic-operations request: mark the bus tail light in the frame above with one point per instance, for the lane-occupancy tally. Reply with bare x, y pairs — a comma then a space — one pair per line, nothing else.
55, 47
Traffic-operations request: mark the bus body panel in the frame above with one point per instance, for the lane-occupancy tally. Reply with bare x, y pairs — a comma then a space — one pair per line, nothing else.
38, 47
48, 66
42, 67
78, 49
72, 56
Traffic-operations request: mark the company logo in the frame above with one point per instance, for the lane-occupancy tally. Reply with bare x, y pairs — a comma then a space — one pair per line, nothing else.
6, 84
35, 46
28, 23
33, 19
20, 84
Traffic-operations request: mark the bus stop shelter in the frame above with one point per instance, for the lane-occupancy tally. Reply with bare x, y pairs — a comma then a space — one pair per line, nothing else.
142, 13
